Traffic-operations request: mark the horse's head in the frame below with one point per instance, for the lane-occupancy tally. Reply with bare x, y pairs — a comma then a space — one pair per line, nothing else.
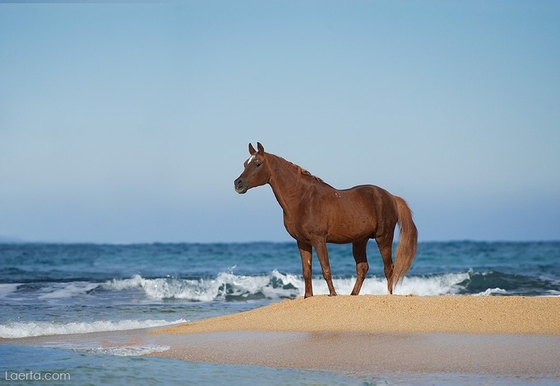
256, 171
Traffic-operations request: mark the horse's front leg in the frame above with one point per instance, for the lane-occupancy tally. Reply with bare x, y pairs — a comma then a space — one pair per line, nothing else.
305, 253
323, 256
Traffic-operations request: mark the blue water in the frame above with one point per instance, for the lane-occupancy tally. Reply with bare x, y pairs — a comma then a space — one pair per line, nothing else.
48, 289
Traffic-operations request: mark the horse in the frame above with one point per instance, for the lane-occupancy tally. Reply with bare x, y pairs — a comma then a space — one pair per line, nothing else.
315, 214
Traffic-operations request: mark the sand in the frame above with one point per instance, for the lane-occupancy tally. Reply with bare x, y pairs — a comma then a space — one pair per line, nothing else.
517, 336
393, 314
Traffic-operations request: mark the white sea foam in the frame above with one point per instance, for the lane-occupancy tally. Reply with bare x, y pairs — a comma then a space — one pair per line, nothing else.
30, 329
492, 291
7, 289
105, 347
445, 284
67, 290
225, 285
125, 351
277, 285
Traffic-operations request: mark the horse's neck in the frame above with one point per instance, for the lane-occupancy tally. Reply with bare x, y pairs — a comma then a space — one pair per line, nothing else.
286, 183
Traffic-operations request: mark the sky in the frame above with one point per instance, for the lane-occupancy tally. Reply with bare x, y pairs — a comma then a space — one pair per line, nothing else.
128, 122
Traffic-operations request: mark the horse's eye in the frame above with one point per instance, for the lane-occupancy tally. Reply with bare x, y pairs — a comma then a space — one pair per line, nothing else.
257, 164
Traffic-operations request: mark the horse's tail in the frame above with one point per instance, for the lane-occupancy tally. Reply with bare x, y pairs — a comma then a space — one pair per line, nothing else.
406, 250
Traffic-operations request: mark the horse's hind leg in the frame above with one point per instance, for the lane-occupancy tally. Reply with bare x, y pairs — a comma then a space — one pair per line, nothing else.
362, 266
385, 245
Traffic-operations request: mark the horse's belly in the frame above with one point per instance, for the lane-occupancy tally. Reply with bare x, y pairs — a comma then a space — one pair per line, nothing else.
349, 236
350, 228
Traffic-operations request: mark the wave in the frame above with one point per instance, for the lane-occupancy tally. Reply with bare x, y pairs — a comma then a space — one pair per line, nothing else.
276, 285
8, 289
13, 330
67, 290
225, 286
230, 287
499, 283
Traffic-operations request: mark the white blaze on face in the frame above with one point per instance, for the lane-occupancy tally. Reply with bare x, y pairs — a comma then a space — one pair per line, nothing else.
250, 159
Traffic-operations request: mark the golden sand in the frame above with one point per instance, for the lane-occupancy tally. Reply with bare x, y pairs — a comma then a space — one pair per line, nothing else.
392, 314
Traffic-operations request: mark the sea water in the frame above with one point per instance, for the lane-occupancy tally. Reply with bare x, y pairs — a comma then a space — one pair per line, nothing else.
50, 289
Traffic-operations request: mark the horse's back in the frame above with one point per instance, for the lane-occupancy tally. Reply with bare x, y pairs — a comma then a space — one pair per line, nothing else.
360, 212
372, 194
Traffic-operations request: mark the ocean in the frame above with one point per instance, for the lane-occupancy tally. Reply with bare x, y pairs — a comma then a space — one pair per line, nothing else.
49, 289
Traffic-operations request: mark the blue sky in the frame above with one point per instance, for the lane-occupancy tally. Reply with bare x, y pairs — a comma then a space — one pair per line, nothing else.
129, 122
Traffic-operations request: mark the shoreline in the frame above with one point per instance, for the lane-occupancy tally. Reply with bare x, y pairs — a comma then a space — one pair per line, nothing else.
349, 353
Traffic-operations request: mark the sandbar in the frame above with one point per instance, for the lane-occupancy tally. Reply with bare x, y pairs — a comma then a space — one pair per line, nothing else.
392, 314
512, 336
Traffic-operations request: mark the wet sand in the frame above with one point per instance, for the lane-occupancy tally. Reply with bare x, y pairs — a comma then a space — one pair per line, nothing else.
367, 353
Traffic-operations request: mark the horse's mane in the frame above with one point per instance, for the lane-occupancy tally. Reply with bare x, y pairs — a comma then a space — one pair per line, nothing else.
301, 171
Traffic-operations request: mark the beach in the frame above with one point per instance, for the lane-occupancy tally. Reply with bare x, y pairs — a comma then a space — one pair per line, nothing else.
101, 312
510, 336
360, 334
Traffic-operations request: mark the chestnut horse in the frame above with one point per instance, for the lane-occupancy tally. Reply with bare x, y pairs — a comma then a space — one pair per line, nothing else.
315, 214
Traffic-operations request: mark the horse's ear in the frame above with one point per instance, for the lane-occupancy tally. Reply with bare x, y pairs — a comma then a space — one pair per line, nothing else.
252, 150
260, 147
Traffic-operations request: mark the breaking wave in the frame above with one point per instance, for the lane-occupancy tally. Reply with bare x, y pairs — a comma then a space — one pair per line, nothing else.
12, 330
225, 286
228, 286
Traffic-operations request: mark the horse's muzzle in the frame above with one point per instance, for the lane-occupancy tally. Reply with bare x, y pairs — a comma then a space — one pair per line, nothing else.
240, 186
